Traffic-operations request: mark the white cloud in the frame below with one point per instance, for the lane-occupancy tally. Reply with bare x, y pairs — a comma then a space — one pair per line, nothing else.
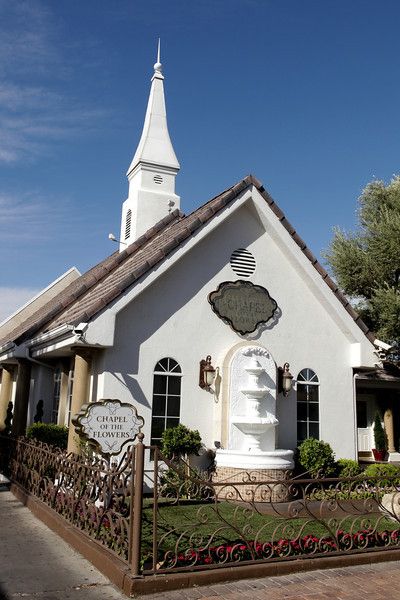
13, 298
31, 217
35, 109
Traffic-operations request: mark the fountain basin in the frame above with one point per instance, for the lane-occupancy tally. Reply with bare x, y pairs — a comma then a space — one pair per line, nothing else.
270, 459
254, 425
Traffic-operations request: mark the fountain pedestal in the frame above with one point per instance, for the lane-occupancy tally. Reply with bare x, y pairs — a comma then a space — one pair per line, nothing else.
256, 452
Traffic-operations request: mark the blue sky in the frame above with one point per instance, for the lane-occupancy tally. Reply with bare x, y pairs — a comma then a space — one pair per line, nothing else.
305, 94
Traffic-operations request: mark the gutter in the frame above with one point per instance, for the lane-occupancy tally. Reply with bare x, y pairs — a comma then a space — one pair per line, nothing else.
50, 335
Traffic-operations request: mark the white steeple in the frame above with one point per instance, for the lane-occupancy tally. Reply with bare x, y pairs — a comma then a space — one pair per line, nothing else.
153, 169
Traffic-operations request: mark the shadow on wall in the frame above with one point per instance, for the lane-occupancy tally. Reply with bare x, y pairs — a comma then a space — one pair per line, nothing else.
171, 292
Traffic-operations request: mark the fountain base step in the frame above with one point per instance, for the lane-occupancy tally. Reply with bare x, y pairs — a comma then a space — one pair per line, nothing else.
252, 485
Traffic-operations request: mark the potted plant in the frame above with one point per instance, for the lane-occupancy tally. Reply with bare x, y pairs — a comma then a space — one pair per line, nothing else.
379, 451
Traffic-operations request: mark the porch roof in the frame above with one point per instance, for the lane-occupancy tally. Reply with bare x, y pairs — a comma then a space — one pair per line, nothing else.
387, 375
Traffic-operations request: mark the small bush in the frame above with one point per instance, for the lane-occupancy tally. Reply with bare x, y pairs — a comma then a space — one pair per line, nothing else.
55, 435
180, 441
317, 457
379, 434
384, 470
192, 485
348, 468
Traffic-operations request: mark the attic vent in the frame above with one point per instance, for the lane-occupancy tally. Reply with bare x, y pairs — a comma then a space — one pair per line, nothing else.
243, 262
158, 179
128, 224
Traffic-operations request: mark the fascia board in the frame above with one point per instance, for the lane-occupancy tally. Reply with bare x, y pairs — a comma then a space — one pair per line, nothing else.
55, 344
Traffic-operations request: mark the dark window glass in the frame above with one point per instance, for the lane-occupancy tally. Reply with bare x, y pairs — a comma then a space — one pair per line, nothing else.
302, 411
172, 423
314, 430
313, 411
174, 385
157, 427
301, 432
301, 393
312, 392
174, 404
158, 406
160, 384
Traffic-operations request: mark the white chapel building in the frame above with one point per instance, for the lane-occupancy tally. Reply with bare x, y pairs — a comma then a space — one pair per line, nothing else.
231, 285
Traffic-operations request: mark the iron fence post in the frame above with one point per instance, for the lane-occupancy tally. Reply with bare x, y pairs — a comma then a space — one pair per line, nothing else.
137, 507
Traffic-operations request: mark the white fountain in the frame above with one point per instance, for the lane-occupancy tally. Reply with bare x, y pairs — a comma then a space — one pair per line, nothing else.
253, 423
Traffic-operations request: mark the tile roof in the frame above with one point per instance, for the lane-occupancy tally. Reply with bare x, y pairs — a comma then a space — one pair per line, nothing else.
105, 282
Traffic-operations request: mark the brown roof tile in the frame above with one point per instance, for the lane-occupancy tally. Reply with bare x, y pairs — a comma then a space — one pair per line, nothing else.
102, 284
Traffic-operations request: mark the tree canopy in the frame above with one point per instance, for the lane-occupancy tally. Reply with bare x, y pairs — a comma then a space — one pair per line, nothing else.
366, 263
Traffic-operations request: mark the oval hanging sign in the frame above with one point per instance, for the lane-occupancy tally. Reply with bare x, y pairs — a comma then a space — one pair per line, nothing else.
108, 424
243, 305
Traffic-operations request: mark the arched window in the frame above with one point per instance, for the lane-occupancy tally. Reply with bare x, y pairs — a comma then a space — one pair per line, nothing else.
128, 222
166, 398
307, 405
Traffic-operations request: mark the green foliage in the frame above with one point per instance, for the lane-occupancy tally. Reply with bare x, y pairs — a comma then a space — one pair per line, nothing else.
55, 435
317, 457
348, 468
384, 470
185, 483
180, 441
366, 263
379, 434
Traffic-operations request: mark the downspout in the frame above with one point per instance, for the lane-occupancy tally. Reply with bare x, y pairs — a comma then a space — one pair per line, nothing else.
355, 416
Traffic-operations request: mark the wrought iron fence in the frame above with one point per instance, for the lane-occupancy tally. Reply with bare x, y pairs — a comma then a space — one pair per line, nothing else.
172, 517
87, 491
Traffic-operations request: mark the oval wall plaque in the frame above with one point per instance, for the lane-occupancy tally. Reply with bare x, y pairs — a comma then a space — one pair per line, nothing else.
243, 305
108, 424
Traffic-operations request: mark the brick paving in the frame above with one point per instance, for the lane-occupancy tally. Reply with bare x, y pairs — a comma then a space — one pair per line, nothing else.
35, 564
366, 582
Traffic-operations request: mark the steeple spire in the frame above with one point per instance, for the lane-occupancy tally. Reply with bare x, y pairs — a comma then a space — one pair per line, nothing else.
153, 169
155, 145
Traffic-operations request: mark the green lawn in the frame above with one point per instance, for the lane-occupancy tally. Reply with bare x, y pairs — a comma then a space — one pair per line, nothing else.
196, 525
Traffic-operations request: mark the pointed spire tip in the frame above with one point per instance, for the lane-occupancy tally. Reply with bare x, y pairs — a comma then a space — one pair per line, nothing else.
158, 65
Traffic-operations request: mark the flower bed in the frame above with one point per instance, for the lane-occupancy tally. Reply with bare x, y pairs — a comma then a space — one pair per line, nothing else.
238, 551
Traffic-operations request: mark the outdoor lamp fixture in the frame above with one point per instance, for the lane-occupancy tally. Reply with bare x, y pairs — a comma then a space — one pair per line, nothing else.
285, 379
207, 373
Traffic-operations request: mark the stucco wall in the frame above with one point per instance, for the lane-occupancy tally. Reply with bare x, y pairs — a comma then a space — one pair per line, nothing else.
173, 318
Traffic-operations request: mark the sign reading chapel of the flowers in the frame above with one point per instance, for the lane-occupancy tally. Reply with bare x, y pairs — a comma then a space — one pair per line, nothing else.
243, 305
109, 424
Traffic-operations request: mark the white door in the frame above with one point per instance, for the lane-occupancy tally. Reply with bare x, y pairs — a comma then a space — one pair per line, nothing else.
364, 430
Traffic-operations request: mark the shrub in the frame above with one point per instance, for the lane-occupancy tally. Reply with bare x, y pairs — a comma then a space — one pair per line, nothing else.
180, 441
348, 468
55, 435
379, 434
178, 484
384, 470
317, 457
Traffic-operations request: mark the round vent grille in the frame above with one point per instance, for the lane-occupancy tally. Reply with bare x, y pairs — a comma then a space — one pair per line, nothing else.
157, 179
243, 262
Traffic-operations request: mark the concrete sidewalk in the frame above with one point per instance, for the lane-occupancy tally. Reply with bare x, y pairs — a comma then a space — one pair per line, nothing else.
35, 564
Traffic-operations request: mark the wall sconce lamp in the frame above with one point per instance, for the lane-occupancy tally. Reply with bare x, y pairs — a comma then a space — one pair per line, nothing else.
207, 373
285, 379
